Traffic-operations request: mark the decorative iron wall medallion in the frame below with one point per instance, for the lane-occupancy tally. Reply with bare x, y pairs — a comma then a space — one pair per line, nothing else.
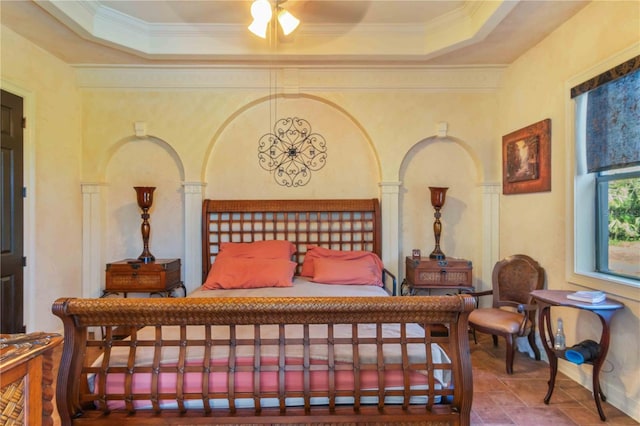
291, 152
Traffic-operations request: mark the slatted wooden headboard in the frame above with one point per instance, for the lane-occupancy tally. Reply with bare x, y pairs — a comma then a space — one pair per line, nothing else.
350, 224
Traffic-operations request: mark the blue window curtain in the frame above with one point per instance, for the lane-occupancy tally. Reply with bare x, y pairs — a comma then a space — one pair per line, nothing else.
613, 117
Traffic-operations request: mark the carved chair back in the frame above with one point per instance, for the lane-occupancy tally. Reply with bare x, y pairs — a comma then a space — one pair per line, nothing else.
514, 278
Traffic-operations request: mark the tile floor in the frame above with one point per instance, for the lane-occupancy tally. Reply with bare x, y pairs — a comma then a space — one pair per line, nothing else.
501, 399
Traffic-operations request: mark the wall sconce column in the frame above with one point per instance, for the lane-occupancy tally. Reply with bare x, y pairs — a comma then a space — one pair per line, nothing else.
192, 270
389, 206
92, 265
491, 192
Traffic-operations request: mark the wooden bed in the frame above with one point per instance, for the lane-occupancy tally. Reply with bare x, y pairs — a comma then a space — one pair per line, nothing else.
428, 388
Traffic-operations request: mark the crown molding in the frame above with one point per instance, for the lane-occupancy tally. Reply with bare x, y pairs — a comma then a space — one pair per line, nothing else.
464, 26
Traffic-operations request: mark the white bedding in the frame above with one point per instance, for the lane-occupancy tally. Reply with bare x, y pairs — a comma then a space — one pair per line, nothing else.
302, 287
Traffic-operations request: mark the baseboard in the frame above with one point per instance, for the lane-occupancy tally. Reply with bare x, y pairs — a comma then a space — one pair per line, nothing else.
616, 396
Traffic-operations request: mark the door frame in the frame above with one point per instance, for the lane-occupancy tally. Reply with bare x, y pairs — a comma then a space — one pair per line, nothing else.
29, 181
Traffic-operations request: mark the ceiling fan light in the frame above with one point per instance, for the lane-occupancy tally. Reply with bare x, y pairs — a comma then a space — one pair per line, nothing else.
287, 21
259, 28
261, 10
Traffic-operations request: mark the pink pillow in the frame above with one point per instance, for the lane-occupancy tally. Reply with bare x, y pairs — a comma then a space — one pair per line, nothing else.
363, 271
236, 272
315, 252
268, 249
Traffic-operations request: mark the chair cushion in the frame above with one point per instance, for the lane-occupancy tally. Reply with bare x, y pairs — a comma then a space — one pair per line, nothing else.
499, 320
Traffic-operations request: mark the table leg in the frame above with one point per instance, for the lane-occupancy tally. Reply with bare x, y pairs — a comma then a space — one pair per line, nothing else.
546, 335
184, 289
598, 395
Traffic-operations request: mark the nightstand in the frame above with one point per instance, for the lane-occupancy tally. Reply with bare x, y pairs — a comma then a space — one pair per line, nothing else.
133, 276
424, 273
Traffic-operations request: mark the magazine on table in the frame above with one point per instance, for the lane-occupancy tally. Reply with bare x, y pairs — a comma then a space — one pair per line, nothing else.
588, 296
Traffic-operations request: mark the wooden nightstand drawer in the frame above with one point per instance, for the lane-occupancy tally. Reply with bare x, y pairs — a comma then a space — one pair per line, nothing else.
449, 272
132, 276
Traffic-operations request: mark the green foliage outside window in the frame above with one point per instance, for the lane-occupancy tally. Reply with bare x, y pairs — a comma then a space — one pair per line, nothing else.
624, 210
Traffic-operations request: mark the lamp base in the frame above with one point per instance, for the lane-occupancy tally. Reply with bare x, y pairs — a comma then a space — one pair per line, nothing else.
146, 258
437, 254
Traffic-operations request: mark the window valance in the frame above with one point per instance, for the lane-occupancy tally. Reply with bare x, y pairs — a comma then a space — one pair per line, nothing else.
612, 117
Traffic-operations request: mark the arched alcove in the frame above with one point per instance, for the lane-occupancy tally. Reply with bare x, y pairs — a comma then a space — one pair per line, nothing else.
232, 169
442, 162
147, 161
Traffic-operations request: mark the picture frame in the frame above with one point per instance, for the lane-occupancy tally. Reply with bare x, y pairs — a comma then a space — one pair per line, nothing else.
526, 159
415, 253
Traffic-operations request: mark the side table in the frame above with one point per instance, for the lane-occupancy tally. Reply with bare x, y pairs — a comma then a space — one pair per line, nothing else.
449, 273
604, 310
133, 276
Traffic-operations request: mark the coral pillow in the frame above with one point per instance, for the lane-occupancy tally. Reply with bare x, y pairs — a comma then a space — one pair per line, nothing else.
363, 271
315, 252
268, 249
237, 272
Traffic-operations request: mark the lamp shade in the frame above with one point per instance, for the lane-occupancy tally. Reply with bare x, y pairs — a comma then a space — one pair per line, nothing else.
261, 13
287, 21
261, 10
438, 195
259, 28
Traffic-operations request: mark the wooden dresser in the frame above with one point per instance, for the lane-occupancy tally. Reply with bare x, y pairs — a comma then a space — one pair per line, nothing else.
26, 378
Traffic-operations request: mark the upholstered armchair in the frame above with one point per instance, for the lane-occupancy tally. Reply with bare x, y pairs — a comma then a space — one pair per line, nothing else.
513, 311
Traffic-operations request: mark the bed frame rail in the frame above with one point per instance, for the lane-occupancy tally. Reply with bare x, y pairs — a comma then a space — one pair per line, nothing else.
444, 405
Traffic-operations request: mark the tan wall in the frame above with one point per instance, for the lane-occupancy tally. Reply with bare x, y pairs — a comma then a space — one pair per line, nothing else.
85, 133
212, 136
53, 147
537, 224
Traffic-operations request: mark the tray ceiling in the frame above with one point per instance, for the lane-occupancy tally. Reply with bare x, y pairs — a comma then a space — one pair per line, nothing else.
336, 32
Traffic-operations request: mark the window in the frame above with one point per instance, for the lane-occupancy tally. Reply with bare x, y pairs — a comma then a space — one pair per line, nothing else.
618, 222
607, 175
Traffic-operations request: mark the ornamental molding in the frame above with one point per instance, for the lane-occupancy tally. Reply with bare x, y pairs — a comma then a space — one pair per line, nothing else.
298, 79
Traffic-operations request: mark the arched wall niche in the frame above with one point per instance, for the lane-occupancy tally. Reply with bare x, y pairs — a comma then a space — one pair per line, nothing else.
156, 141
143, 161
441, 162
231, 168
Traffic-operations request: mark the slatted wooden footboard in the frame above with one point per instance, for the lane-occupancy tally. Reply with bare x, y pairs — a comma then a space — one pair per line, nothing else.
207, 391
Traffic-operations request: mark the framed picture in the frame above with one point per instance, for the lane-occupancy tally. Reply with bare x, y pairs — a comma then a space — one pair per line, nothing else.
415, 253
526, 159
